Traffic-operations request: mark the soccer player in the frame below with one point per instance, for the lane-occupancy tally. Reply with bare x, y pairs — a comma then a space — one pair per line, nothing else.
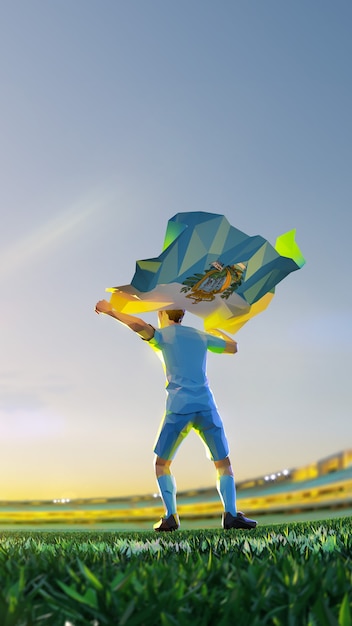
190, 404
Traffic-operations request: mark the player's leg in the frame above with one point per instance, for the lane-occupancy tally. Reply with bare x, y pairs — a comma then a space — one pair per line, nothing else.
172, 431
210, 428
227, 490
225, 484
167, 484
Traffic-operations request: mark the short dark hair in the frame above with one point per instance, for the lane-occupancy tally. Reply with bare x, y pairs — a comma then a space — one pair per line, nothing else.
175, 315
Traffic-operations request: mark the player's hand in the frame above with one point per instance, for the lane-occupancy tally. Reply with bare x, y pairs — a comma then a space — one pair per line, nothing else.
103, 306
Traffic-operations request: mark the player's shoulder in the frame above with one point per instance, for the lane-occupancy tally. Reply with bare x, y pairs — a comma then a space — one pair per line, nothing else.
183, 328
189, 333
181, 331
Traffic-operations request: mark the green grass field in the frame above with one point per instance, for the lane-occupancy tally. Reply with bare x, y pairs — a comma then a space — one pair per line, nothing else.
285, 575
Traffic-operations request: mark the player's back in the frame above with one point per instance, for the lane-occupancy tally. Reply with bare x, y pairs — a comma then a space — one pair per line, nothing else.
184, 350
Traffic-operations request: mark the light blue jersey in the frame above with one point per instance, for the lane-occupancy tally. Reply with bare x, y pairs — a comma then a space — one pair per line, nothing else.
184, 350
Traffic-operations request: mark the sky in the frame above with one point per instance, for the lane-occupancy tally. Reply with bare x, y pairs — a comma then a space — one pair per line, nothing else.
115, 116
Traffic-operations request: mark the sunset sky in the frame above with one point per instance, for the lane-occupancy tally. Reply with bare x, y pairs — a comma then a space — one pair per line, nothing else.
115, 116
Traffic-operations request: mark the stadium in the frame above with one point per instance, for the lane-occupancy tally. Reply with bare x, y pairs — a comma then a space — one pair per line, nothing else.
320, 490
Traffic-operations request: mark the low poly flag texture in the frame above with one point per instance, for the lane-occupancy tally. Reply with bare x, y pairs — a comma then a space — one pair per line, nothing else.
211, 269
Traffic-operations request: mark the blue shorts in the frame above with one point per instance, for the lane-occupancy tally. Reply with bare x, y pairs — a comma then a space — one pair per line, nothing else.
207, 424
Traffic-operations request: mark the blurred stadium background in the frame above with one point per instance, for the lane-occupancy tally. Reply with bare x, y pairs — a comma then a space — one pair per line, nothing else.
320, 490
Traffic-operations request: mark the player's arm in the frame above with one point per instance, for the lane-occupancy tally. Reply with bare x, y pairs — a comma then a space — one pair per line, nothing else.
230, 344
136, 324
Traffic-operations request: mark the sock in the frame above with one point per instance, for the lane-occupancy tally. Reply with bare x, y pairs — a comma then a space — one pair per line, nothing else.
227, 491
167, 487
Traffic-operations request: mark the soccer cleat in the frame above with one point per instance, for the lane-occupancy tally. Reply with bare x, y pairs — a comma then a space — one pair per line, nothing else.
237, 521
167, 524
